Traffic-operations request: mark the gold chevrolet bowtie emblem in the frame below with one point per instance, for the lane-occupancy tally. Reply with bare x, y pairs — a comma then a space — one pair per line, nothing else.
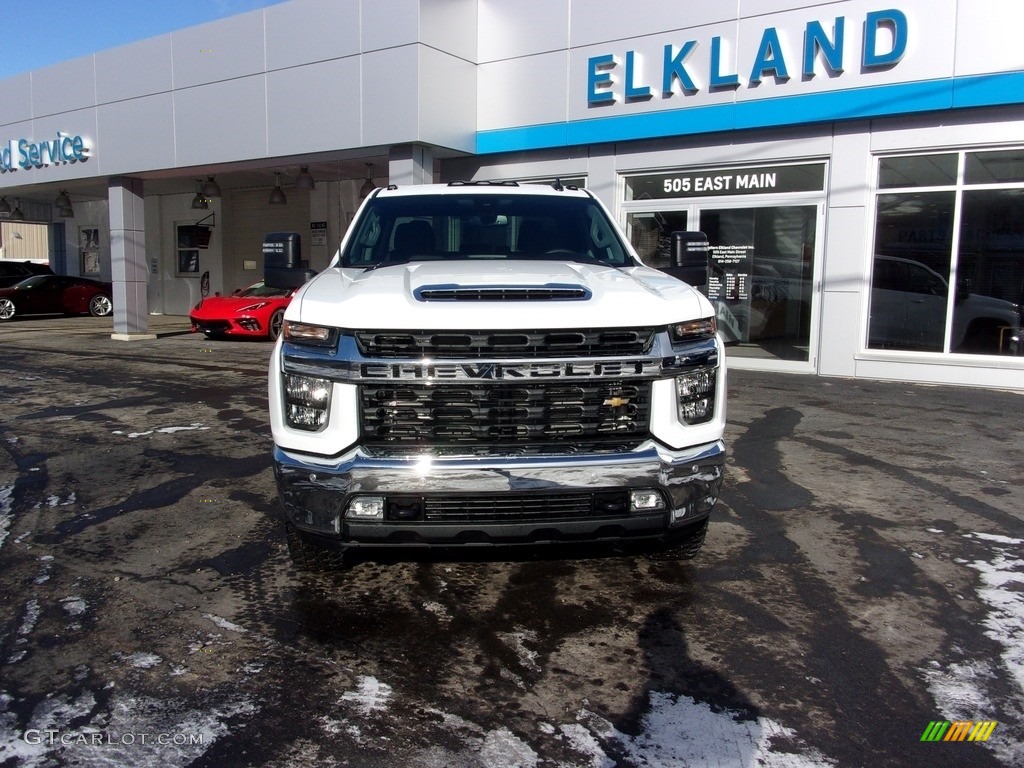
616, 401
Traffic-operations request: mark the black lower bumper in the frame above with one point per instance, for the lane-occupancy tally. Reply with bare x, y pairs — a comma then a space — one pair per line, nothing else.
472, 502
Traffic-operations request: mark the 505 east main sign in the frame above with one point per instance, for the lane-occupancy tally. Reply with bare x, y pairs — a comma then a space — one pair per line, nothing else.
24, 154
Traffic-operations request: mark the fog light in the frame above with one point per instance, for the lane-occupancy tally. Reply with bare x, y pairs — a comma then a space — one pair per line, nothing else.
366, 508
696, 392
645, 501
307, 401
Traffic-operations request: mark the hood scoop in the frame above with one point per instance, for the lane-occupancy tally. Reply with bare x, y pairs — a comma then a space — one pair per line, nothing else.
547, 292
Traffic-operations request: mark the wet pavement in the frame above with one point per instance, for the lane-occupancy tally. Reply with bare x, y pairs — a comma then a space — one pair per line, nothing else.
862, 578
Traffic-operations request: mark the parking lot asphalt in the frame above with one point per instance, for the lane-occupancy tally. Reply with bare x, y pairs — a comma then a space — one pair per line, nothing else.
862, 584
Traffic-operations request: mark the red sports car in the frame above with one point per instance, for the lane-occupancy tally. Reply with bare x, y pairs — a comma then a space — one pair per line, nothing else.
55, 294
255, 311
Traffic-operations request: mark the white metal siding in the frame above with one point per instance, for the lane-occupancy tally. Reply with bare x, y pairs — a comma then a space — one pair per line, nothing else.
25, 241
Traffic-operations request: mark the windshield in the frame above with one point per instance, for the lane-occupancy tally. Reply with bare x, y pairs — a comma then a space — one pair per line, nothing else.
439, 227
259, 289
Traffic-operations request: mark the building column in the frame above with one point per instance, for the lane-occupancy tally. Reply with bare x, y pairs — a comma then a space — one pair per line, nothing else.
129, 272
410, 164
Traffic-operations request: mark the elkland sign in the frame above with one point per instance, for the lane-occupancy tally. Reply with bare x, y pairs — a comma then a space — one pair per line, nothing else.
761, 71
700, 64
24, 154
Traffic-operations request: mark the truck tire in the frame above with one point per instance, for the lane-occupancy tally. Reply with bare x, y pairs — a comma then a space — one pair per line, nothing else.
685, 547
309, 557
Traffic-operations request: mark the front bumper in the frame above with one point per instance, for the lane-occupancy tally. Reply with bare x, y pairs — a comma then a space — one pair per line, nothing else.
235, 326
507, 500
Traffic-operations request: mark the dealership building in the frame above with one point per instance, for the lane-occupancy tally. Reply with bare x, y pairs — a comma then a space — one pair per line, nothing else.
857, 165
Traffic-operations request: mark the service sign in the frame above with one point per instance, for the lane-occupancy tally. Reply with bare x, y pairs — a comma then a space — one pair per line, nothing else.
26, 154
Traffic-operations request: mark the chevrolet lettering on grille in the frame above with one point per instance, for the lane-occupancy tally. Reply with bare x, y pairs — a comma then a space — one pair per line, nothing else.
507, 371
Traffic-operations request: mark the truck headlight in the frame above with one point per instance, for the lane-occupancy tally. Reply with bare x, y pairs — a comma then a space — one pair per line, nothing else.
306, 333
692, 330
695, 391
307, 401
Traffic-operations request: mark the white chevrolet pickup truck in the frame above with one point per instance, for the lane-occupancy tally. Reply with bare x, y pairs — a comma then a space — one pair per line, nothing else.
492, 364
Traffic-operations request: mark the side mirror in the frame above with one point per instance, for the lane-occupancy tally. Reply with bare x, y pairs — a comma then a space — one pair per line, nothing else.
691, 259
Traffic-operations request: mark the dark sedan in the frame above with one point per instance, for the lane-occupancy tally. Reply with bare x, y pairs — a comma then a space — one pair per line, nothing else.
52, 294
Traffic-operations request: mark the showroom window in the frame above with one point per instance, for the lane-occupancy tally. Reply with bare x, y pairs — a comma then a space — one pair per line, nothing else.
948, 266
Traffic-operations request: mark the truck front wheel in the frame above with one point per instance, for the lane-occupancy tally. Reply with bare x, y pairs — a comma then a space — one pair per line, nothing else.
685, 547
310, 557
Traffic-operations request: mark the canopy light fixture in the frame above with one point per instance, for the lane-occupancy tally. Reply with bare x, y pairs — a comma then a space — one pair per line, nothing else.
277, 196
211, 188
16, 214
304, 180
368, 185
199, 203
62, 201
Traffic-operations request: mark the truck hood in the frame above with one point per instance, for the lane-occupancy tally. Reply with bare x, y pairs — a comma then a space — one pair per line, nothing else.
392, 297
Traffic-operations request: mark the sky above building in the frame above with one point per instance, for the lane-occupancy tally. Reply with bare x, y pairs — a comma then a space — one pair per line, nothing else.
59, 30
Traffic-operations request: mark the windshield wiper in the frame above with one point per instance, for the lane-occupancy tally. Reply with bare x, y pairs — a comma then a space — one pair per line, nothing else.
391, 263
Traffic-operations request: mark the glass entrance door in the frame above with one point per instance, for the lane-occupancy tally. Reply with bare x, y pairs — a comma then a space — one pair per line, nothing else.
764, 225
762, 277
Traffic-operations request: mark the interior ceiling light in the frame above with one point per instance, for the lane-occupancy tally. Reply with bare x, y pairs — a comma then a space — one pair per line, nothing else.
277, 194
368, 185
304, 180
199, 202
62, 201
16, 214
211, 188
5, 207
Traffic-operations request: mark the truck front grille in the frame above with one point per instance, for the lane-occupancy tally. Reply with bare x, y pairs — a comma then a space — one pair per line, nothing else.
506, 345
517, 418
526, 507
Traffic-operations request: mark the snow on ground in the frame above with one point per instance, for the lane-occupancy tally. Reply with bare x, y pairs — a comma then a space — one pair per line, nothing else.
6, 511
677, 731
129, 730
143, 660
517, 641
223, 623
195, 426
371, 695
960, 689
57, 501
74, 605
32, 612
1002, 582
44, 571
